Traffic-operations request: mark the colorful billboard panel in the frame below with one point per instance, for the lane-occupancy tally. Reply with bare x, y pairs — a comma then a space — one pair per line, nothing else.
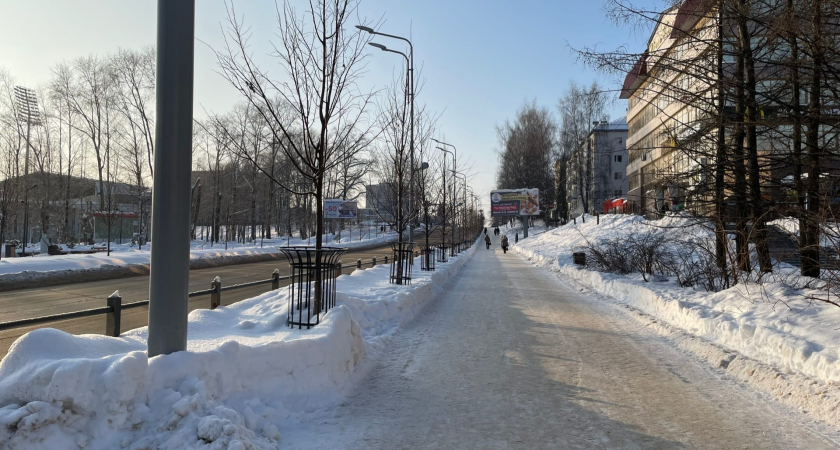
340, 209
515, 202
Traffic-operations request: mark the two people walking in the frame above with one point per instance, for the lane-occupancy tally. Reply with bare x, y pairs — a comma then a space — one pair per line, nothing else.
505, 242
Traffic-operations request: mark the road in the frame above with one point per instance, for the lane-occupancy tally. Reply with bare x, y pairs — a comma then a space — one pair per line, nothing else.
510, 357
34, 302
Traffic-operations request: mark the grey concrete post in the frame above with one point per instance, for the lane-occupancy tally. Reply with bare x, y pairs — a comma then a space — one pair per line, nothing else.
275, 280
524, 227
112, 318
170, 262
216, 296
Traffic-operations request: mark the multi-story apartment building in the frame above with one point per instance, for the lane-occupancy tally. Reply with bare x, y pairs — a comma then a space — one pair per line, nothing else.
381, 201
672, 111
661, 111
596, 171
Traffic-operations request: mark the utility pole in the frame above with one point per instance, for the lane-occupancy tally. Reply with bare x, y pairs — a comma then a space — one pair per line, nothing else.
170, 265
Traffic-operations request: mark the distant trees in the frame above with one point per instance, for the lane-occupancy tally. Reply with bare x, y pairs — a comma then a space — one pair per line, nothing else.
527, 149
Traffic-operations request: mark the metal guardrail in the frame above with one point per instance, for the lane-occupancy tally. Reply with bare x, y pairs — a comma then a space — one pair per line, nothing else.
115, 306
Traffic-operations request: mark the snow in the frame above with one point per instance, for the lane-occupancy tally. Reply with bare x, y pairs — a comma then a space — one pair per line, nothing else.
773, 323
123, 255
829, 231
244, 377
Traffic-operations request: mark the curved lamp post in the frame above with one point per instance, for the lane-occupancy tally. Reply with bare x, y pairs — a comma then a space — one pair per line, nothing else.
410, 60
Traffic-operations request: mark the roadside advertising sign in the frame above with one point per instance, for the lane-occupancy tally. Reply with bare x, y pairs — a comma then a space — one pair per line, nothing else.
340, 209
515, 202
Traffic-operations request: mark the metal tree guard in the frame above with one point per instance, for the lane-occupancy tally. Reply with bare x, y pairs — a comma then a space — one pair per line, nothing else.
403, 261
441, 252
305, 304
427, 262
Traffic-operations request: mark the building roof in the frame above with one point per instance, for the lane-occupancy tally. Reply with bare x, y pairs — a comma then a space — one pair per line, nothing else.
619, 124
635, 77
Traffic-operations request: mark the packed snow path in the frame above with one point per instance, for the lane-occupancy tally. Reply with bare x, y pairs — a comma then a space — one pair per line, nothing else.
509, 357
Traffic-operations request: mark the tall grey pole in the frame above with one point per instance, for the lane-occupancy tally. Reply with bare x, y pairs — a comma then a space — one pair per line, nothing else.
412, 192
170, 265
524, 226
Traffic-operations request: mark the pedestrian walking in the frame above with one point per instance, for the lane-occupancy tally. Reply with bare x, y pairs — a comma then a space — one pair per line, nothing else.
485, 231
505, 243
487, 240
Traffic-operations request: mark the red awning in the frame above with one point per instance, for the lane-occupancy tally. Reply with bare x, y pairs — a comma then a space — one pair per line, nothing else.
687, 17
635, 77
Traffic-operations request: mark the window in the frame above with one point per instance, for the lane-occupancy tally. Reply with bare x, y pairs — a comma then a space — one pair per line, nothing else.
617, 158
618, 192
617, 175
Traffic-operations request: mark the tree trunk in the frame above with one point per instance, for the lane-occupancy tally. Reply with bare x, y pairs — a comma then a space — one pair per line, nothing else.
811, 250
751, 106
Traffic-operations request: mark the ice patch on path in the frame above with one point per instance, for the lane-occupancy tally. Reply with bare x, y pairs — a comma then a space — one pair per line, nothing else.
244, 376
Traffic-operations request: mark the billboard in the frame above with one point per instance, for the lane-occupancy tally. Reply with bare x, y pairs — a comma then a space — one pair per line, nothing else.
515, 202
340, 209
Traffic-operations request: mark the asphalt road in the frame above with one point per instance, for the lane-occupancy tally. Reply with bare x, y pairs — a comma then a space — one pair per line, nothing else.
42, 301
510, 357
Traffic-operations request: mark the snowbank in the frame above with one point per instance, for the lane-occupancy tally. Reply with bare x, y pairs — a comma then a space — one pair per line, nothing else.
244, 377
125, 255
772, 323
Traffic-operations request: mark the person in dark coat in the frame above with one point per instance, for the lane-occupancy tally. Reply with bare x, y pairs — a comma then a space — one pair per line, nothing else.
487, 240
505, 243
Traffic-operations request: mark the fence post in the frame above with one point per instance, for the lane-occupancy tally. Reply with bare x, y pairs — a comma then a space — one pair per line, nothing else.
575, 219
359, 263
216, 295
275, 280
597, 219
112, 319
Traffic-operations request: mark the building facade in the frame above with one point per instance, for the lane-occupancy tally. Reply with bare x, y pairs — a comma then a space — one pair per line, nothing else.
596, 170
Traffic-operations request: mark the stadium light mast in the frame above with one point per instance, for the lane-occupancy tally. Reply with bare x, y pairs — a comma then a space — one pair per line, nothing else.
27, 105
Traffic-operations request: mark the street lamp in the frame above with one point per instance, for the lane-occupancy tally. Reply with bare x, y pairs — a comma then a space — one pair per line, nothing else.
454, 164
411, 127
451, 238
27, 104
410, 60
459, 174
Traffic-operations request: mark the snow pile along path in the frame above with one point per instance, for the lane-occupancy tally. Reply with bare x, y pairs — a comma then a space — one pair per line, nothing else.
126, 255
244, 375
771, 323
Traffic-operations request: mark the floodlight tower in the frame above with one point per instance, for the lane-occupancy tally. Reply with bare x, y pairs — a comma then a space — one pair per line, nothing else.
27, 105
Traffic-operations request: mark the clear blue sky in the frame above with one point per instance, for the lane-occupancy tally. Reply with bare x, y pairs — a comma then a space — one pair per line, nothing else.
480, 59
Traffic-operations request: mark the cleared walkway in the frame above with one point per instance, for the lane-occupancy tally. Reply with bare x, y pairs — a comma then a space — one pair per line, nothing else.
510, 357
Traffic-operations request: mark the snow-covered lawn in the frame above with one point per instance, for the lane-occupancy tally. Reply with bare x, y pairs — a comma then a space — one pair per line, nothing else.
126, 255
245, 376
772, 322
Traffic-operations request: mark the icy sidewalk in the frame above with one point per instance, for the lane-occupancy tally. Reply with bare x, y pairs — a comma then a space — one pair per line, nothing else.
773, 325
244, 372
